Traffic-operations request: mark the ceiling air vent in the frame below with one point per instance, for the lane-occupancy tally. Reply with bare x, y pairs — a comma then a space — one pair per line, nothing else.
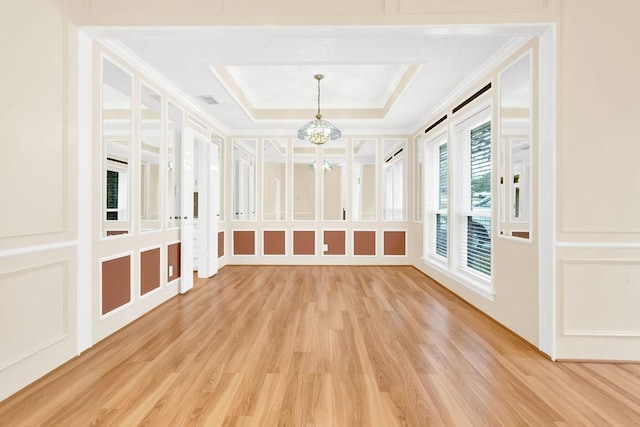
208, 99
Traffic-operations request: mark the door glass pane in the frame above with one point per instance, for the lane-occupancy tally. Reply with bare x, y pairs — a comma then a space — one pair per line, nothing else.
274, 180
304, 181
116, 148
364, 180
217, 168
150, 139
174, 165
244, 180
334, 181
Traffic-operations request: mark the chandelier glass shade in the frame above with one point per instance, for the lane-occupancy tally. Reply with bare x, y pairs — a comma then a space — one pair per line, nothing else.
326, 166
319, 131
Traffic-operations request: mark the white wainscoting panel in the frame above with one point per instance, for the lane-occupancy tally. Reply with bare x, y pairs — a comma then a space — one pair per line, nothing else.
601, 297
37, 316
309, 7
158, 7
465, 6
33, 311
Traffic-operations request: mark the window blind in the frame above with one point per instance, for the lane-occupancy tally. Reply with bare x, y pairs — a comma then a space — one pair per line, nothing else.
478, 223
443, 196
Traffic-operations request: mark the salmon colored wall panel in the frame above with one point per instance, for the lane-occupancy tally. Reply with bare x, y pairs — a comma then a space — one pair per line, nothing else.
274, 242
395, 243
173, 259
335, 239
304, 242
149, 270
364, 242
220, 244
116, 283
244, 242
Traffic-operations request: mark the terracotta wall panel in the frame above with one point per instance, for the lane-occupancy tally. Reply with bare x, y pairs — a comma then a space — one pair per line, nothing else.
395, 243
304, 242
244, 242
335, 239
220, 244
116, 283
173, 259
364, 242
149, 270
274, 242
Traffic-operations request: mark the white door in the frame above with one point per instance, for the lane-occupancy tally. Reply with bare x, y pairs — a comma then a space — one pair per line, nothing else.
213, 197
186, 235
208, 189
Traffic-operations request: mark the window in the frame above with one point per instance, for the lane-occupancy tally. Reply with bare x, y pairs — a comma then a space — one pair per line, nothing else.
443, 196
474, 210
458, 214
437, 197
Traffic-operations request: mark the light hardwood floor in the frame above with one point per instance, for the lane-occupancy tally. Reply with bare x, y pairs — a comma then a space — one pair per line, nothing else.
322, 346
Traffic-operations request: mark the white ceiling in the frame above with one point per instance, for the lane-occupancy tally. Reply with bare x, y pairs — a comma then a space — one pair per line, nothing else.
381, 80
293, 86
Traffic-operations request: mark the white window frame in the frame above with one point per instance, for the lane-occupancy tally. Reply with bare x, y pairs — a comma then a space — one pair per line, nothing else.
460, 208
431, 181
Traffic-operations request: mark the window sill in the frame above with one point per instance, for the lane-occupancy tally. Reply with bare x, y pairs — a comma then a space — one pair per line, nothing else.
483, 288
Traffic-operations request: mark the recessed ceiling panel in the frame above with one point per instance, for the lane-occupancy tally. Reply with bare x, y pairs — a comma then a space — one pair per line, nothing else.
293, 86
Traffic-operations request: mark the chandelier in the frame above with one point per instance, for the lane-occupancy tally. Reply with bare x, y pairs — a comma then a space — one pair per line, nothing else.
319, 131
326, 166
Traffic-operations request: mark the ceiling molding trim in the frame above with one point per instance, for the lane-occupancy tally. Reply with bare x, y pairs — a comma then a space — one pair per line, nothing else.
515, 43
263, 115
402, 85
270, 114
227, 81
356, 133
135, 61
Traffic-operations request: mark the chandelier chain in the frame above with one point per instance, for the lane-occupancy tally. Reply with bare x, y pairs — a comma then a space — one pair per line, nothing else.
318, 97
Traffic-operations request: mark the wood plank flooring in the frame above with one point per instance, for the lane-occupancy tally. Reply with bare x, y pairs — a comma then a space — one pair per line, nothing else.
322, 346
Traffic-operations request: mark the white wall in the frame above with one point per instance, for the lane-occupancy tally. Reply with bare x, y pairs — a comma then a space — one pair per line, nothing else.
598, 232
38, 257
598, 253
